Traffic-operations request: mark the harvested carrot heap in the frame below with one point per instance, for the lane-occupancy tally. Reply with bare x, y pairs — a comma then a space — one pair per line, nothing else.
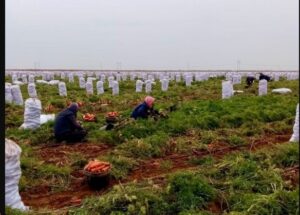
89, 117
111, 117
96, 167
112, 114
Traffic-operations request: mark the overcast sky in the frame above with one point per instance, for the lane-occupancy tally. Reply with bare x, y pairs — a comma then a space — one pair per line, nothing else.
152, 34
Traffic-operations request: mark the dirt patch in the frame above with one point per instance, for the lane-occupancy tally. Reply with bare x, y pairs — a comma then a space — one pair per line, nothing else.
58, 199
39, 189
39, 197
220, 149
214, 207
154, 167
60, 155
291, 175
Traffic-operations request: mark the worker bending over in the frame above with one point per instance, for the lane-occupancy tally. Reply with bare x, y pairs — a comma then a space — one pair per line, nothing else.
66, 127
144, 110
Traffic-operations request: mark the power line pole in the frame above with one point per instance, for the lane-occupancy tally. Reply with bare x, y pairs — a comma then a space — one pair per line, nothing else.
238, 65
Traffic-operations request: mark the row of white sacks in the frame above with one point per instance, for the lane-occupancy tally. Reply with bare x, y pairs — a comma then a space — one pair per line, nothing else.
13, 92
228, 91
117, 77
235, 78
26, 77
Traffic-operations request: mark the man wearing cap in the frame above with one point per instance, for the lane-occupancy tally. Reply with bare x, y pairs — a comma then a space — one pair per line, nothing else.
143, 110
66, 127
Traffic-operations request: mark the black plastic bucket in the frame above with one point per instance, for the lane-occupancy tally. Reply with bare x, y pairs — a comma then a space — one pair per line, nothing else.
97, 181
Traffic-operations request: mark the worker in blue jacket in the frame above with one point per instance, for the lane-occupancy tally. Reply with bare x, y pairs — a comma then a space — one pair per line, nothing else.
66, 127
143, 110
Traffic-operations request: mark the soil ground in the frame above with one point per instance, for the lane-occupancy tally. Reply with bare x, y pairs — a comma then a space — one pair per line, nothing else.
42, 197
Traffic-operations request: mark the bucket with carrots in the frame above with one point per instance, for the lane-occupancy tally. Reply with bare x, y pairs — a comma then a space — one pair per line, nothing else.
111, 117
97, 173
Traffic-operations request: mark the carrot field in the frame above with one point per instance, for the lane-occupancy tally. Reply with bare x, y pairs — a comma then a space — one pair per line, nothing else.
209, 156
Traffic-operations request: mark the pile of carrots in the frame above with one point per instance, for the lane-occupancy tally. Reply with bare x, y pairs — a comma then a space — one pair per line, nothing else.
96, 167
112, 114
89, 117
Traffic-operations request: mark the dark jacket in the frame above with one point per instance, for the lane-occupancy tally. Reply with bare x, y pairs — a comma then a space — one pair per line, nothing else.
66, 121
141, 111
262, 76
250, 80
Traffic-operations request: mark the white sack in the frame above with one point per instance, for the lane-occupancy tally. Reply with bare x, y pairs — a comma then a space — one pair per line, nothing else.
46, 117
48, 77
62, 89
91, 79
14, 78
100, 89
139, 86
42, 82
115, 88
8, 94
144, 76
31, 79
164, 85
188, 80
172, 77
12, 175
71, 77
238, 91
18, 83
24, 78
17, 95
110, 81
124, 76
118, 77
148, 86
62, 75
151, 78
227, 89
276, 77
282, 90
89, 88
295, 136
44, 76
82, 82
53, 82
31, 90
262, 87
102, 78
32, 114
178, 78
236, 79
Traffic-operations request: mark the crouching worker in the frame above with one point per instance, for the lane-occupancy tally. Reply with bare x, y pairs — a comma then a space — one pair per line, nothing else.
249, 81
144, 110
66, 127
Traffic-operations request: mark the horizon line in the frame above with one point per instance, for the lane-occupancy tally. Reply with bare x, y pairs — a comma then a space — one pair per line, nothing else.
110, 70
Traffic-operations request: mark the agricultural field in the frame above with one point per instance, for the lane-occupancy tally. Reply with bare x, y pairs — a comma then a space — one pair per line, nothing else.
209, 156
